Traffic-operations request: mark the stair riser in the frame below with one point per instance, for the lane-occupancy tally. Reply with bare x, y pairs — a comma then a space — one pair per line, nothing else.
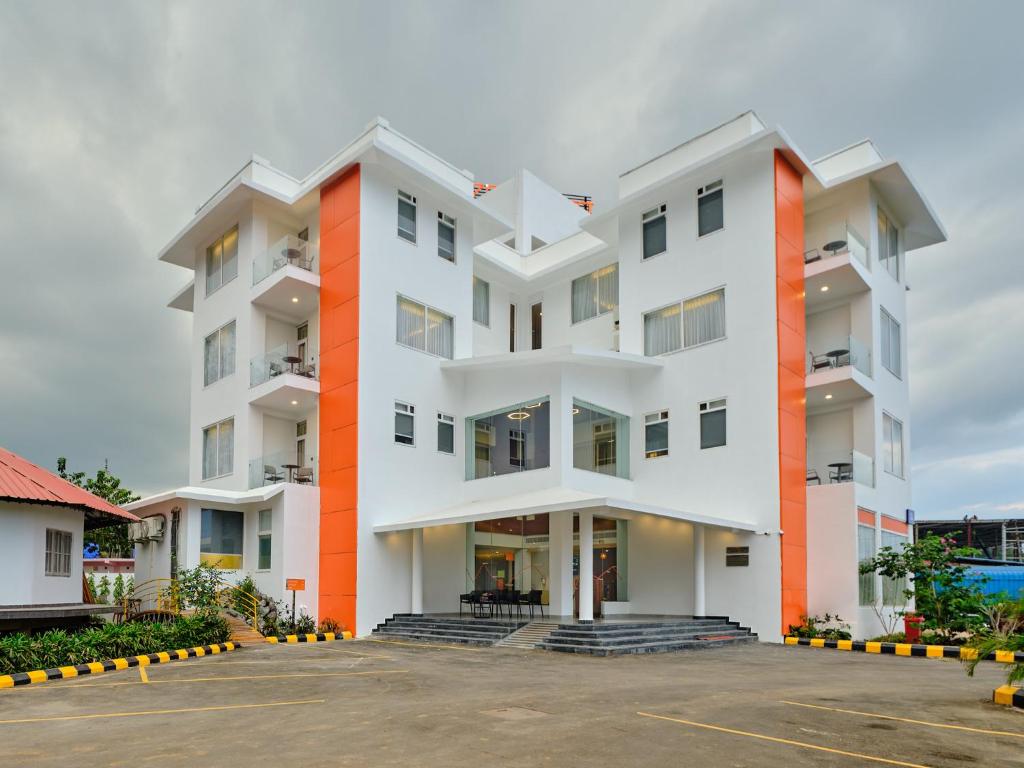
449, 627
434, 638
667, 648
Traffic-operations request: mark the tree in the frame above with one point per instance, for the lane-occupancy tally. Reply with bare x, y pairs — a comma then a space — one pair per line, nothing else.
947, 603
113, 541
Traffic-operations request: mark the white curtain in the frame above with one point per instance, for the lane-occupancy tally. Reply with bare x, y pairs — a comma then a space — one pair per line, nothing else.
584, 298
608, 289
885, 337
481, 301
210, 452
229, 270
227, 350
662, 331
704, 318
213, 259
865, 551
211, 360
411, 323
226, 447
895, 353
440, 335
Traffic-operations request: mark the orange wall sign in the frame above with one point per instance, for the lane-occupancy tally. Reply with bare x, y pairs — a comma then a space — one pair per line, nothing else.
298, 585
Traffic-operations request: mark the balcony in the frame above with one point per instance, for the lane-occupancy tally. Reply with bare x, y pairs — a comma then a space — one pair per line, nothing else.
837, 268
844, 467
286, 278
840, 374
281, 380
281, 467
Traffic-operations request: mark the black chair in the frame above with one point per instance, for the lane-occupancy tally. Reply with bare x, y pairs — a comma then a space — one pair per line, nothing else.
271, 475
531, 599
466, 599
812, 256
821, 361
812, 476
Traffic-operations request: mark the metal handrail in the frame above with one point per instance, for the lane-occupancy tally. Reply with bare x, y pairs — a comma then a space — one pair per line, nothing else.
230, 594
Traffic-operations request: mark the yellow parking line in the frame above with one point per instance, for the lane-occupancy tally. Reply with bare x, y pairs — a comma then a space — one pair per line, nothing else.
161, 711
789, 742
228, 679
425, 645
986, 731
143, 675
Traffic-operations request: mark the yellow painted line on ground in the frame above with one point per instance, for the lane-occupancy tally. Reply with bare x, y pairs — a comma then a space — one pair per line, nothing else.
142, 674
789, 742
232, 678
986, 731
161, 711
425, 645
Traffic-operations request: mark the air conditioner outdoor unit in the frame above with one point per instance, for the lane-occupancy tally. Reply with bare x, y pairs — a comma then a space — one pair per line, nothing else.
147, 529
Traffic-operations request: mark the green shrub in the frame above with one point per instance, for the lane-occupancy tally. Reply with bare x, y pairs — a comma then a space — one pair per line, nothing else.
199, 587
104, 591
119, 588
828, 627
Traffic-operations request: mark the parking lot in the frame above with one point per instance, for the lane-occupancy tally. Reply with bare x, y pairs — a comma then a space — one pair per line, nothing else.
372, 703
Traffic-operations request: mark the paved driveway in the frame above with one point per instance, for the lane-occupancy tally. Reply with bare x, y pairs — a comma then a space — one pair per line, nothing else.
368, 703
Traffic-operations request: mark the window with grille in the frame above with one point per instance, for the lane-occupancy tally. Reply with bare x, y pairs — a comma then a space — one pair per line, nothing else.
58, 552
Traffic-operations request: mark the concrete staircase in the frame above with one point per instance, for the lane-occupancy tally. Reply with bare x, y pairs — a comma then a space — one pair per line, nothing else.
529, 636
656, 636
445, 629
240, 631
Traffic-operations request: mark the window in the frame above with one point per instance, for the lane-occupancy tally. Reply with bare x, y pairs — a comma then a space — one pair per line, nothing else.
663, 331
704, 318
222, 261
892, 589
654, 232
405, 423
595, 294
406, 216
517, 448
888, 245
656, 434
220, 538
737, 557
58, 553
300, 443
710, 209
892, 354
600, 439
712, 424
536, 325
445, 434
865, 551
219, 354
424, 328
445, 237
219, 449
892, 444
515, 438
511, 327
481, 301
266, 518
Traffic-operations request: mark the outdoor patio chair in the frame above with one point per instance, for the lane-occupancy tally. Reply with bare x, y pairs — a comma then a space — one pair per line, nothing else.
811, 256
531, 599
271, 475
819, 362
812, 476
304, 475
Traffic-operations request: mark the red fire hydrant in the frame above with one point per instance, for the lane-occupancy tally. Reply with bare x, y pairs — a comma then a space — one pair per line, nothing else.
912, 627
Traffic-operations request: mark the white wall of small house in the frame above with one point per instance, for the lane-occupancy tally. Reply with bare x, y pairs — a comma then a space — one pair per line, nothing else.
23, 579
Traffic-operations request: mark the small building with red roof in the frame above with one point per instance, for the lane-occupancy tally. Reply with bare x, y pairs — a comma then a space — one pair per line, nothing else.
43, 519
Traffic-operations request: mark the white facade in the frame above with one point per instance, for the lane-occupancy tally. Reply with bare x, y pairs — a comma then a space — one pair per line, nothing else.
27, 580
423, 525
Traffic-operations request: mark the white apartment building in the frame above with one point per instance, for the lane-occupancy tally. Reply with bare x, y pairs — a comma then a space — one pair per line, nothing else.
407, 385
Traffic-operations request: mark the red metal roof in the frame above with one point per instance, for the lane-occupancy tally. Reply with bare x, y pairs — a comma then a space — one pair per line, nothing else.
21, 480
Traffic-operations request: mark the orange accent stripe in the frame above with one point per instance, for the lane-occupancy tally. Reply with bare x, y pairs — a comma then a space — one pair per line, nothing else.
865, 516
792, 417
339, 396
894, 525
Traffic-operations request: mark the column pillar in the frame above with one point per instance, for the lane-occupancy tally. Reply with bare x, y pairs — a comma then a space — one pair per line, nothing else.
586, 566
560, 563
416, 603
700, 607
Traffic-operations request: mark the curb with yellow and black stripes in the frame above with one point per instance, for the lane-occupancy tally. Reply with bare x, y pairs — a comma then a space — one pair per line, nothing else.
311, 637
1009, 696
959, 652
99, 667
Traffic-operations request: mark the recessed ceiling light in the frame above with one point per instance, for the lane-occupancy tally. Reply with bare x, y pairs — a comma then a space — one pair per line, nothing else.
824, 288
295, 299
828, 397
296, 402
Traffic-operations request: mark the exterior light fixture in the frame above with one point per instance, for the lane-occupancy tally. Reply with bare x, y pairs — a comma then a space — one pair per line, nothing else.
575, 411
828, 397
824, 288
518, 415
295, 299
538, 404
296, 402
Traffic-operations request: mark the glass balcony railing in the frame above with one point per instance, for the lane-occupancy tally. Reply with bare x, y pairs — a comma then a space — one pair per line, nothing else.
847, 352
288, 250
837, 241
855, 467
285, 358
281, 467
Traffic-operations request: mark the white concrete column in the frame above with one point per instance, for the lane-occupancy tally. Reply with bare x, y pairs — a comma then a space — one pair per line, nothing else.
586, 566
560, 564
416, 603
700, 607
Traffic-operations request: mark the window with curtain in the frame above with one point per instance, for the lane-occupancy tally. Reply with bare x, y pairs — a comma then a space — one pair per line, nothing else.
265, 539
218, 449
219, 354
704, 318
406, 216
865, 551
710, 208
892, 589
892, 445
58, 553
481, 301
892, 354
654, 231
595, 294
220, 538
888, 245
222, 260
424, 328
663, 331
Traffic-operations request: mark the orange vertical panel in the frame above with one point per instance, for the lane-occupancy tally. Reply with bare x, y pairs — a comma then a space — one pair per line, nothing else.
791, 334
339, 384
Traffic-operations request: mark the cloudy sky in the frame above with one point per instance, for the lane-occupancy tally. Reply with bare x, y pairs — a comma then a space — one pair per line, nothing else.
119, 118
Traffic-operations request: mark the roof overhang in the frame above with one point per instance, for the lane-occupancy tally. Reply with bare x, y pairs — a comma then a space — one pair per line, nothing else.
566, 355
215, 495
185, 298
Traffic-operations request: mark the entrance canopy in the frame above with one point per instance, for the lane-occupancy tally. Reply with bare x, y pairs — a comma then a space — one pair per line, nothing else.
557, 499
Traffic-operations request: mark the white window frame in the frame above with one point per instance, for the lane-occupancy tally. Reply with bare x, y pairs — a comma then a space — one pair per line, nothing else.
656, 417
58, 548
264, 533
426, 318
217, 425
597, 276
893, 362
659, 211
206, 273
887, 454
407, 409
643, 325
411, 200
682, 318
234, 363
707, 189
444, 220
894, 258
862, 577
712, 406
487, 306
444, 418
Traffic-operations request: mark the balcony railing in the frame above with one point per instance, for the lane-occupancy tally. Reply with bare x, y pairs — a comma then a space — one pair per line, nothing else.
838, 242
848, 352
288, 250
281, 467
286, 358
855, 467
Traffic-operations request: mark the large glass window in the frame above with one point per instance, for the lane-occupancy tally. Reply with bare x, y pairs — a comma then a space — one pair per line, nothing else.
704, 318
891, 347
595, 294
219, 449
654, 232
892, 589
865, 551
58, 553
406, 216
710, 209
424, 328
219, 354
600, 440
888, 245
220, 538
892, 444
481, 301
516, 438
265, 539
222, 261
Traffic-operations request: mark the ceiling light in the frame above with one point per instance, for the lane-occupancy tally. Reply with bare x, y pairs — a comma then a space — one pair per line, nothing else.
296, 402
295, 299
824, 288
518, 415
828, 397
